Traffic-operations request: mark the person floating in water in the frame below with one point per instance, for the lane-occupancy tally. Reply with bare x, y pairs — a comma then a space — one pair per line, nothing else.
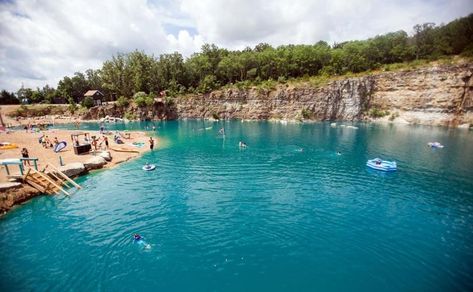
140, 240
221, 131
339, 153
242, 144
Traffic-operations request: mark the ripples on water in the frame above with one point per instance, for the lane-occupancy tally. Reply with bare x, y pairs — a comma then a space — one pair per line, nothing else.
269, 217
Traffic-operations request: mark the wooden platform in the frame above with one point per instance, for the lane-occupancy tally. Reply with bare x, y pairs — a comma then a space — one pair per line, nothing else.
52, 182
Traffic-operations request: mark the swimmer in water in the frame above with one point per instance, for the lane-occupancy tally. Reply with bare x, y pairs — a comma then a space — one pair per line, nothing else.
139, 240
242, 144
339, 153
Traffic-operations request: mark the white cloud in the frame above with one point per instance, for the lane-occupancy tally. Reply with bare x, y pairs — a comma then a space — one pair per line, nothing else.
237, 23
42, 41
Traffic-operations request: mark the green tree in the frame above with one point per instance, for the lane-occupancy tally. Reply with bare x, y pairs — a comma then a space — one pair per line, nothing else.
8, 98
87, 102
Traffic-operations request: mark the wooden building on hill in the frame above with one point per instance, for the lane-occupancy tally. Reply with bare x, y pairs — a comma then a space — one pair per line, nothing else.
96, 95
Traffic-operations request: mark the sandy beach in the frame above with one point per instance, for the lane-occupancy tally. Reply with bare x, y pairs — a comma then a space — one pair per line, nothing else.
30, 141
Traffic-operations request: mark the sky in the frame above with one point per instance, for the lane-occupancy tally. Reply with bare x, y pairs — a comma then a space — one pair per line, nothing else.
41, 41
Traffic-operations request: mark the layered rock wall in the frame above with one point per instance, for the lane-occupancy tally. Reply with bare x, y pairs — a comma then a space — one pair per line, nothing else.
434, 95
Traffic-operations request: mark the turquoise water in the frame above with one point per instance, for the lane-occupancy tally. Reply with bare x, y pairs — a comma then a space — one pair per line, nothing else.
270, 217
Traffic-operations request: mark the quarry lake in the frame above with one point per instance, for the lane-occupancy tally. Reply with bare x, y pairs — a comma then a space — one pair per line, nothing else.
286, 213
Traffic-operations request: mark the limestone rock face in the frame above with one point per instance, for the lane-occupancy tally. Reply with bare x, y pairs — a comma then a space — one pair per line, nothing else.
441, 94
73, 169
95, 163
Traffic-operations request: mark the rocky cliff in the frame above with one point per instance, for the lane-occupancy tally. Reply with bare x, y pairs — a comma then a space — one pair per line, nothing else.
438, 94
434, 95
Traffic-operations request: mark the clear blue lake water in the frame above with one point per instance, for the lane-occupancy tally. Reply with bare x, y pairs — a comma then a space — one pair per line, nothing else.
267, 218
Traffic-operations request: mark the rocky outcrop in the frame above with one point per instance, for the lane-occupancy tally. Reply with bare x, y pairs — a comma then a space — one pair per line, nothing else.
73, 169
95, 163
16, 195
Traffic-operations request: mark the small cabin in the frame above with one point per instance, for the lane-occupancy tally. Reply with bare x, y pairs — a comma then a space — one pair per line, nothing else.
96, 95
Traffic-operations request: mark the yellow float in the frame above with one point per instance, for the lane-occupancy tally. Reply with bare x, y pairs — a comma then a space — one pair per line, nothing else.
6, 146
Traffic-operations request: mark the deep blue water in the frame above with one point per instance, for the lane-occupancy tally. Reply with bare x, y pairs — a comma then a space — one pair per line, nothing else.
267, 218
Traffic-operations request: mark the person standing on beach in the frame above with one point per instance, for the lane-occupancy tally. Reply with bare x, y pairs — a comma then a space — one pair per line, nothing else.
105, 140
151, 143
24, 154
94, 143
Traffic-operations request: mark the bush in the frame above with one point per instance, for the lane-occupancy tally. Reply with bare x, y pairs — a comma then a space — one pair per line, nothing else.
243, 84
129, 116
208, 84
268, 84
122, 101
377, 113
169, 101
306, 113
282, 79
87, 102
22, 111
72, 107
142, 99
37, 111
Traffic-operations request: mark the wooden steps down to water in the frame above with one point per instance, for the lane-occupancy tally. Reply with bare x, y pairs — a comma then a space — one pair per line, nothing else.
53, 182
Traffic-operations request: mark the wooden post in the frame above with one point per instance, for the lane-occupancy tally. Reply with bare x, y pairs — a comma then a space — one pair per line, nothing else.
6, 168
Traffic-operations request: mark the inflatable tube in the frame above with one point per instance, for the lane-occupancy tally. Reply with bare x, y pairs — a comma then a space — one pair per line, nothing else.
138, 144
382, 165
149, 167
59, 146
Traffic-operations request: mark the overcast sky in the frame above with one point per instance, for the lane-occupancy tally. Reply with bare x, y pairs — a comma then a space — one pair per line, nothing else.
44, 40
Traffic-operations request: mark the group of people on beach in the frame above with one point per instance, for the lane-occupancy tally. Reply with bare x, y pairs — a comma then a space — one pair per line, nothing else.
47, 143
98, 142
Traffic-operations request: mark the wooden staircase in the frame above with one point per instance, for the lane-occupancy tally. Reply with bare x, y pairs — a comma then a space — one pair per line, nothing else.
53, 182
